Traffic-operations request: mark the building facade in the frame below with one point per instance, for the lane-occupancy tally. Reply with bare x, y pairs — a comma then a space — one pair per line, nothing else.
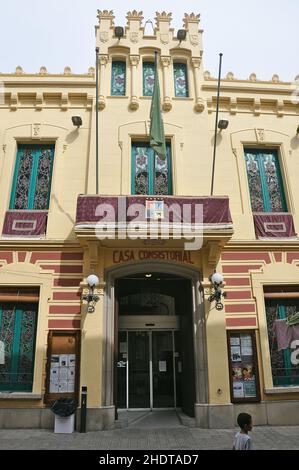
151, 338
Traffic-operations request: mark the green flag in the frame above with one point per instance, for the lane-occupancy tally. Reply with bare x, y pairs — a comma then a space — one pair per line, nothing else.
157, 137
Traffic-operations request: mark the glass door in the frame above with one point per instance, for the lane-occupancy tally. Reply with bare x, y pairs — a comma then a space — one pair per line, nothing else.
162, 366
139, 369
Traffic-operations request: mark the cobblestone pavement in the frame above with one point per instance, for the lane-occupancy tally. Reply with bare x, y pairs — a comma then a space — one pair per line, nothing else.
173, 438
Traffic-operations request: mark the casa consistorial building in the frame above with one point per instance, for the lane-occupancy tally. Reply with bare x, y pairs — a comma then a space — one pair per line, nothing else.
146, 330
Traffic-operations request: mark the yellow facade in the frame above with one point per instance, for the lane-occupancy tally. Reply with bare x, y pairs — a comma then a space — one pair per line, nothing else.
38, 110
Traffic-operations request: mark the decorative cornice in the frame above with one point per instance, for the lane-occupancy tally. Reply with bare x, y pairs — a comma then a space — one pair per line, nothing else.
192, 18
106, 15
163, 16
134, 15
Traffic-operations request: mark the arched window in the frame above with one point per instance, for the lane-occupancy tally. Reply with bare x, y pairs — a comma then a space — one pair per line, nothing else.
118, 78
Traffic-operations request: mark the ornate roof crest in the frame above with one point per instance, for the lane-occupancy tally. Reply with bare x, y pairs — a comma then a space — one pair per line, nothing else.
192, 18
163, 16
106, 15
135, 15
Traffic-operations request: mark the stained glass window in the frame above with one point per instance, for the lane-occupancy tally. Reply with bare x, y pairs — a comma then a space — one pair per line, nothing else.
148, 78
118, 78
150, 174
265, 182
17, 335
284, 362
180, 80
32, 177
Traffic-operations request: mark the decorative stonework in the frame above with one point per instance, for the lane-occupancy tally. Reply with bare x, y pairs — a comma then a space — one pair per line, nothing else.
67, 70
103, 59
164, 38
207, 75
64, 101
253, 77
165, 60
91, 71
134, 37
257, 107
163, 16
101, 103
134, 104
19, 70
14, 101
43, 70
167, 105
192, 18
275, 78
199, 105
194, 39
134, 60
230, 76
104, 36
134, 16
39, 102
233, 106
36, 131
196, 61
106, 15
260, 135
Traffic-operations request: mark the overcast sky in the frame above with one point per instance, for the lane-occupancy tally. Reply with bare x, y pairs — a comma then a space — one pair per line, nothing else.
258, 36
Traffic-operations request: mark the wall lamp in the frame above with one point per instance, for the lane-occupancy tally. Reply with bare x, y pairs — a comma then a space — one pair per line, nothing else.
222, 124
119, 32
91, 298
181, 35
77, 121
217, 279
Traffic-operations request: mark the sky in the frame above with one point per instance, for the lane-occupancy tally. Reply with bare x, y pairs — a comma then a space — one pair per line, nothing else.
259, 36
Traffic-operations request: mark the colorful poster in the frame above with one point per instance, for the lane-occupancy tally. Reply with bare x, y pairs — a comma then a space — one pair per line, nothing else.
247, 371
250, 388
238, 390
237, 373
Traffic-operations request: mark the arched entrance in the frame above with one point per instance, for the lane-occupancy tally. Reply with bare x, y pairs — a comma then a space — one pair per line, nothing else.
154, 349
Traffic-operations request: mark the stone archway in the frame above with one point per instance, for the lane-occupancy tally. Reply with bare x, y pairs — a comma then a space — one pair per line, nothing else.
198, 316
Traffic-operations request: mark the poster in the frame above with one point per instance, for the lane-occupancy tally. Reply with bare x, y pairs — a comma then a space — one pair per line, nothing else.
55, 360
247, 371
234, 341
235, 353
71, 374
54, 374
63, 373
250, 388
238, 390
2, 353
62, 386
71, 387
72, 360
155, 210
63, 360
237, 373
162, 366
54, 387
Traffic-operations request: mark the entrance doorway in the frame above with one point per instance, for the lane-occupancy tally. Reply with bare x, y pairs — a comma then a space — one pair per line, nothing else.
149, 369
154, 354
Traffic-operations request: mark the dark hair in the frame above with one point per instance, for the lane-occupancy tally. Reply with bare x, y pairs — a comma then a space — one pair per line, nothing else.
243, 419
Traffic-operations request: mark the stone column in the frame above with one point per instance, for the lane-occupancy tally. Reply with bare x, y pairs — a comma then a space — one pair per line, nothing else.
199, 102
103, 60
165, 61
134, 104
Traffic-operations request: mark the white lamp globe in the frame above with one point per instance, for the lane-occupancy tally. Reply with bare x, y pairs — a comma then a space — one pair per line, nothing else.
93, 280
217, 278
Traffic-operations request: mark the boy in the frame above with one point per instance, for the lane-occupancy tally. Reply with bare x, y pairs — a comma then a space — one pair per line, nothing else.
242, 440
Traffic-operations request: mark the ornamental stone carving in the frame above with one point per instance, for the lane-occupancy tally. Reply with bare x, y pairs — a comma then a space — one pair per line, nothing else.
164, 38
163, 16
103, 59
106, 15
199, 105
167, 105
67, 70
192, 18
194, 39
134, 37
19, 70
134, 104
196, 61
260, 135
43, 70
134, 16
134, 60
104, 36
253, 77
165, 60
230, 76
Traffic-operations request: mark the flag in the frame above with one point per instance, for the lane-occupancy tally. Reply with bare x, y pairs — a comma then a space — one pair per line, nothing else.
157, 137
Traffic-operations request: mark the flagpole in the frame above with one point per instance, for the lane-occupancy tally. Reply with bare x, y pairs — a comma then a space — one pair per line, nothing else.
97, 120
216, 122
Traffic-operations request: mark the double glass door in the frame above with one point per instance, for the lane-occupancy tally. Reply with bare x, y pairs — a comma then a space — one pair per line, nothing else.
149, 369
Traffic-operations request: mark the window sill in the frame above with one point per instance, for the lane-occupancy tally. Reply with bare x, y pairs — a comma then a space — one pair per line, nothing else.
281, 390
20, 396
113, 97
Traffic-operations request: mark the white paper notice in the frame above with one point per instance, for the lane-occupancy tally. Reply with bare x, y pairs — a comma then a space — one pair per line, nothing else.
71, 373
238, 389
246, 346
63, 387
72, 359
54, 360
234, 341
162, 366
2, 353
63, 360
54, 387
235, 353
71, 387
54, 374
63, 373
